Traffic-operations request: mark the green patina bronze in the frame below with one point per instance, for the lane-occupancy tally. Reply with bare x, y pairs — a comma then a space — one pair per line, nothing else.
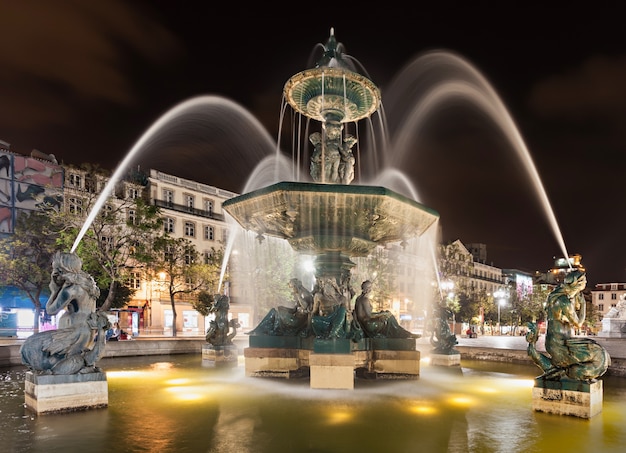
332, 91
442, 338
221, 330
79, 341
329, 218
568, 358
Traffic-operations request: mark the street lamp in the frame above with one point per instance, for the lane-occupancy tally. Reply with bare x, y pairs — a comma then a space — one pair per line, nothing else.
447, 286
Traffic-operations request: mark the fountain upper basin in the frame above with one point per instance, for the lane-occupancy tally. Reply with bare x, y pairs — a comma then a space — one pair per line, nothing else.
316, 218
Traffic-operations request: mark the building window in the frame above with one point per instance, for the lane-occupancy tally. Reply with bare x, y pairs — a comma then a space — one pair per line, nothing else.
189, 202
189, 258
208, 207
190, 319
74, 180
613, 296
601, 308
168, 254
168, 225
90, 185
133, 193
168, 197
207, 256
132, 217
601, 296
107, 212
75, 205
135, 280
168, 318
209, 233
190, 229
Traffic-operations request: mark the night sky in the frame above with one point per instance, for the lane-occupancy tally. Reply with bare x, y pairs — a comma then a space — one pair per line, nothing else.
85, 80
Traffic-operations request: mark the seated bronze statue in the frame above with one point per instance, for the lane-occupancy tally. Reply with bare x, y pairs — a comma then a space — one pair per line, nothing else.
288, 321
382, 324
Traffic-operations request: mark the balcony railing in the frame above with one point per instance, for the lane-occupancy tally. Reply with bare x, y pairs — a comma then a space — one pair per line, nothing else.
182, 208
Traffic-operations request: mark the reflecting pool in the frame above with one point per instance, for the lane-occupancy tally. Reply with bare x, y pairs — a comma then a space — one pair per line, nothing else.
178, 404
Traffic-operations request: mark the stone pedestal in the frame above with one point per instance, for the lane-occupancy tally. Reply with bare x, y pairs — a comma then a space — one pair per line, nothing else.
567, 397
332, 363
331, 371
227, 355
48, 394
445, 359
613, 328
276, 362
394, 365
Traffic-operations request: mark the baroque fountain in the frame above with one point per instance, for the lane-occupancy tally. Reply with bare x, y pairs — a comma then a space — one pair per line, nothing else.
217, 409
334, 221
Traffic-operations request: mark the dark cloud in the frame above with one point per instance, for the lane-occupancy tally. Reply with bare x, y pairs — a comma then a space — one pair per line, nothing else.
596, 88
58, 53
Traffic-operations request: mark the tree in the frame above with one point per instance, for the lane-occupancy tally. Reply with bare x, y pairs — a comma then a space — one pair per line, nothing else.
535, 309
452, 265
210, 272
107, 249
26, 256
178, 260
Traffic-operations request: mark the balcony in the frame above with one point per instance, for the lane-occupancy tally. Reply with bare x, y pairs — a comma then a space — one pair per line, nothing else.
193, 211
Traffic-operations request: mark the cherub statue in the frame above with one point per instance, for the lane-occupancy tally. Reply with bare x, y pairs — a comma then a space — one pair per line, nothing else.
332, 161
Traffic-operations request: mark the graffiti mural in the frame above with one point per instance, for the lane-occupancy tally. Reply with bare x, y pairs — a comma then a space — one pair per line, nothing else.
27, 183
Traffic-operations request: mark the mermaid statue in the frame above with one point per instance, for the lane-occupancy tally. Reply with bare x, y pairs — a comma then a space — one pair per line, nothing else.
580, 359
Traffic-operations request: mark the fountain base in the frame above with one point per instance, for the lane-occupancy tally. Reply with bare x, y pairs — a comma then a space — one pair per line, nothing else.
331, 371
445, 359
219, 355
332, 364
566, 397
50, 394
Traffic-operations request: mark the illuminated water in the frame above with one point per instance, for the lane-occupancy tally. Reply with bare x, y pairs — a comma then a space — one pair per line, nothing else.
175, 404
434, 80
213, 120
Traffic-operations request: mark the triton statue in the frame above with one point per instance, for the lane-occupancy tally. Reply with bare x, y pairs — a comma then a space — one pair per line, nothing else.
221, 331
441, 336
581, 359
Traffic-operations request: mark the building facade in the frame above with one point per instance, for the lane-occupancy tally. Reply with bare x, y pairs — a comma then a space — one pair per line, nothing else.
27, 184
193, 211
605, 296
